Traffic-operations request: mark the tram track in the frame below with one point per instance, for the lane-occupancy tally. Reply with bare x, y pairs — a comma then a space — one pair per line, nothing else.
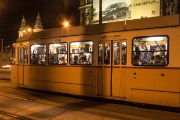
81, 106
13, 116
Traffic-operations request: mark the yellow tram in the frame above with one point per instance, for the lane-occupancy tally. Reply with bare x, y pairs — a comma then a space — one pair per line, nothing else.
135, 60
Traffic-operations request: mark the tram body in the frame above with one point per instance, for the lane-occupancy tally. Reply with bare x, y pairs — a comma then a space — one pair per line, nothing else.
90, 61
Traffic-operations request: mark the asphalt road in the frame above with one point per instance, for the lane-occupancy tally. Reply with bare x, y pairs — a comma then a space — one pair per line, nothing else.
24, 104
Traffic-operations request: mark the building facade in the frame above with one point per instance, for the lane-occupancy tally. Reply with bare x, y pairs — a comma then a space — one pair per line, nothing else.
24, 29
86, 12
103, 11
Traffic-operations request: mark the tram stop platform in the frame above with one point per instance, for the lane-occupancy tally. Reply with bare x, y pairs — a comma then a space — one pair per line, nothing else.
25, 104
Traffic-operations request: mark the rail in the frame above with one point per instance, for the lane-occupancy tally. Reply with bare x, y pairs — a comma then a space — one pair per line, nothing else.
13, 115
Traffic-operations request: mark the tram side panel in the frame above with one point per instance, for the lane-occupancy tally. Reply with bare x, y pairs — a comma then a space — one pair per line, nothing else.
14, 75
156, 84
145, 84
68, 79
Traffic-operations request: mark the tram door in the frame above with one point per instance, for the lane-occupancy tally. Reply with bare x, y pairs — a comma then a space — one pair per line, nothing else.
22, 63
119, 60
111, 58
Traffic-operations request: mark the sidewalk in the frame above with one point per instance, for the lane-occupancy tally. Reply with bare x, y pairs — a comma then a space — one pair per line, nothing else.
33, 105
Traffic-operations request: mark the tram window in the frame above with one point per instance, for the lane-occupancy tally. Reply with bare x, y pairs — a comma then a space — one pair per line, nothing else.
58, 53
100, 54
150, 51
25, 55
124, 53
116, 53
107, 53
38, 54
81, 52
20, 55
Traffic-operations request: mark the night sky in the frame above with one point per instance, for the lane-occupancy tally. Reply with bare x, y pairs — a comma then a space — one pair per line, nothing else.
52, 13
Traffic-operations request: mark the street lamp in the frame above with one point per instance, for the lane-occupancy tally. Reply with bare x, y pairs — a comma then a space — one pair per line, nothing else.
2, 45
2, 50
66, 24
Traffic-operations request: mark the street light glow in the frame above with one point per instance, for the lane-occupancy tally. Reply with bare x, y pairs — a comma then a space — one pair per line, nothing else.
66, 24
29, 29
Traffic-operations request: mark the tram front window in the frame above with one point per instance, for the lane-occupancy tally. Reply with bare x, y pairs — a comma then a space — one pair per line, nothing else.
58, 53
38, 54
81, 52
150, 51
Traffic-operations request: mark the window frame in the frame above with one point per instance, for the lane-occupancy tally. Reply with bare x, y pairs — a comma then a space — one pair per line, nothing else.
79, 52
167, 50
58, 54
38, 55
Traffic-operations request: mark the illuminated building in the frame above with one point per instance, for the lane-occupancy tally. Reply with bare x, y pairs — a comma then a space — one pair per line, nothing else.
86, 12
24, 29
104, 11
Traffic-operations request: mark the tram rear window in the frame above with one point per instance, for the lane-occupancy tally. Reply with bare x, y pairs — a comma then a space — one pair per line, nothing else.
150, 51
58, 53
38, 54
81, 52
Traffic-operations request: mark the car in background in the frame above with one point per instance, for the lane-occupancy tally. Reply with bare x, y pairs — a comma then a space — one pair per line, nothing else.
6, 66
114, 11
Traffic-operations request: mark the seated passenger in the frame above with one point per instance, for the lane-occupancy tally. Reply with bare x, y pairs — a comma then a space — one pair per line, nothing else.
158, 54
136, 54
145, 56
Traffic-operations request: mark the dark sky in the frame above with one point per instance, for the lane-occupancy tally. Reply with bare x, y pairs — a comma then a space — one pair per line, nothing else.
52, 13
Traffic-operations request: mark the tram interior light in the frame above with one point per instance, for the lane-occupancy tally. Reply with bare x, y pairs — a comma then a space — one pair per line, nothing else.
75, 43
154, 38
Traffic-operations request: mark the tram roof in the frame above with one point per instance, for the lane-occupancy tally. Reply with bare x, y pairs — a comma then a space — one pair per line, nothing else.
145, 23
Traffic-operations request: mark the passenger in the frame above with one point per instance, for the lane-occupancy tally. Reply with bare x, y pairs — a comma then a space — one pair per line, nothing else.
35, 51
136, 53
159, 55
145, 56
123, 54
34, 59
61, 60
82, 58
116, 54
107, 54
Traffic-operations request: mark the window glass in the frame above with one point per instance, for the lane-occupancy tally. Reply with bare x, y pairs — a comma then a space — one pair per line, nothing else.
25, 55
58, 53
150, 51
100, 54
116, 53
20, 55
107, 53
124, 53
38, 54
81, 52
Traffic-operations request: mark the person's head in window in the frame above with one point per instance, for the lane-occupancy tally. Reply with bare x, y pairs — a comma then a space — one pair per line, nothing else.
143, 46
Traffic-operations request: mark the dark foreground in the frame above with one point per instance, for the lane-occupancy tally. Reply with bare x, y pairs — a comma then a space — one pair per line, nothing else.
23, 104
